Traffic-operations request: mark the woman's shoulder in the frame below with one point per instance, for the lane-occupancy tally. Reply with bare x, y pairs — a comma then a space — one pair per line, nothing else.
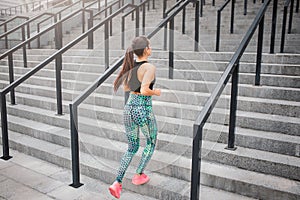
149, 66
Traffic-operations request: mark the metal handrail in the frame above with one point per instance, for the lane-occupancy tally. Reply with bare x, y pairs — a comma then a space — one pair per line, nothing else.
58, 31
57, 56
109, 7
165, 14
21, 26
26, 5
5, 26
232, 69
287, 3
219, 23
79, 99
59, 16
12, 19
142, 5
15, 7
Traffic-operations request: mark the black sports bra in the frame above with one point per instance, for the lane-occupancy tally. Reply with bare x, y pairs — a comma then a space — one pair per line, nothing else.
134, 83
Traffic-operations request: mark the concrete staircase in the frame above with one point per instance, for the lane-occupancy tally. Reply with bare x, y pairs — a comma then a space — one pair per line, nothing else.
264, 166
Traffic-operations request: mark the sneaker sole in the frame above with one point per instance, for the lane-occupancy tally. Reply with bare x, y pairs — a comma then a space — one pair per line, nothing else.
141, 183
113, 193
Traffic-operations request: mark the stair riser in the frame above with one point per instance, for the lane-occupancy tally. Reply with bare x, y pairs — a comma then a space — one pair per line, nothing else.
169, 96
172, 170
36, 54
116, 116
245, 189
207, 87
159, 192
212, 76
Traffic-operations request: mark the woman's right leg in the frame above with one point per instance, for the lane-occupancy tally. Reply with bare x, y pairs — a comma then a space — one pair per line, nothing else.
132, 133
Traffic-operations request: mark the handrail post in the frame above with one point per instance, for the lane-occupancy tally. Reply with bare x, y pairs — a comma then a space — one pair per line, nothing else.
183, 20
132, 15
153, 4
74, 146
137, 22
91, 35
5, 143
291, 17
11, 77
273, 31
232, 16
6, 38
166, 27
233, 108
259, 51
123, 33
171, 49
24, 47
283, 29
28, 35
105, 7
218, 30
83, 20
58, 68
144, 18
126, 96
196, 161
39, 38
213, 3
245, 7
99, 5
201, 7
196, 42
106, 45
110, 21
297, 6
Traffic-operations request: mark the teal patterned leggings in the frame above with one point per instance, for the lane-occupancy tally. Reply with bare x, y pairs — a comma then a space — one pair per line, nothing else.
138, 115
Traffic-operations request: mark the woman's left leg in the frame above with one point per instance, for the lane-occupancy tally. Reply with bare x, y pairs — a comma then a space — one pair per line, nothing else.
149, 129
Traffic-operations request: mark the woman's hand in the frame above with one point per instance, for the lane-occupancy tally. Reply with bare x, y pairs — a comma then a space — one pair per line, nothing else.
157, 92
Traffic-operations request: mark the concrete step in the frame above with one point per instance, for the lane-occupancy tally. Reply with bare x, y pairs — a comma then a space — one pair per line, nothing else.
269, 163
190, 70
270, 92
277, 58
253, 120
217, 133
212, 173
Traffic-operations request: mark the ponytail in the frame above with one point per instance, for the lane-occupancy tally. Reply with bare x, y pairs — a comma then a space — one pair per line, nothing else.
125, 75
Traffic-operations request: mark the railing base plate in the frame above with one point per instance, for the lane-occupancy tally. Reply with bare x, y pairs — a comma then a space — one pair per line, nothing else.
76, 185
6, 157
231, 149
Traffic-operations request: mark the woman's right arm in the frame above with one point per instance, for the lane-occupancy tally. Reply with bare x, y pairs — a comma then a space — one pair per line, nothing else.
149, 76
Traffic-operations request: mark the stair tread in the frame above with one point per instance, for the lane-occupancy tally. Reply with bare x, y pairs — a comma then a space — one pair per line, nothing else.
241, 151
227, 172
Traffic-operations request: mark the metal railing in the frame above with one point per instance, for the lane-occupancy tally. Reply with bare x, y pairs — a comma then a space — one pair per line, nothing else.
219, 12
27, 23
232, 69
58, 16
22, 27
284, 19
74, 105
35, 5
58, 44
166, 13
142, 5
57, 56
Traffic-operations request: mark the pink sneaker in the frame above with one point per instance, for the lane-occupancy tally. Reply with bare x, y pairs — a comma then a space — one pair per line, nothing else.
115, 189
140, 179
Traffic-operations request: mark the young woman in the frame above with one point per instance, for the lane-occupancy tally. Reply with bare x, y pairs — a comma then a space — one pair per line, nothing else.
138, 77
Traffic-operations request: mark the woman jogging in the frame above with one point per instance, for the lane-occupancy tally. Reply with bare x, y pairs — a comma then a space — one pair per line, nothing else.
138, 77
